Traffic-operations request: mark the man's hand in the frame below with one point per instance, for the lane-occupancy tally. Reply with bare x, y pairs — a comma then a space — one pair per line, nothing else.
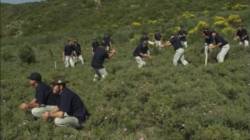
167, 44
46, 116
113, 51
147, 56
24, 106
211, 46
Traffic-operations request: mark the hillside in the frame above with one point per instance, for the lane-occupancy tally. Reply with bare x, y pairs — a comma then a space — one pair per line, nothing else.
157, 102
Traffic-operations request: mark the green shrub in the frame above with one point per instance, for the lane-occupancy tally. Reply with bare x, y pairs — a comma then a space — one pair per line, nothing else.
123, 34
27, 54
7, 56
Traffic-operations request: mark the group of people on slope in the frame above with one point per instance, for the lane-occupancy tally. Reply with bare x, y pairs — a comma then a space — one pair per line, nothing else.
72, 53
103, 50
179, 42
59, 103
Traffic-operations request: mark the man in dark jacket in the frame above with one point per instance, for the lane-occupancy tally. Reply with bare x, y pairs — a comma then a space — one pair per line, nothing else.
141, 52
71, 110
44, 99
179, 50
68, 54
219, 41
98, 60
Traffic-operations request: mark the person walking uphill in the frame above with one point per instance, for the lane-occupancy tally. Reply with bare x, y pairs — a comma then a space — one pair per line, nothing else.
179, 50
68, 54
71, 111
219, 41
141, 52
44, 99
98, 59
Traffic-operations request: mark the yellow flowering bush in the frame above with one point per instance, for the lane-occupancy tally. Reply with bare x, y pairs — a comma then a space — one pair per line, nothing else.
136, 24
200, 25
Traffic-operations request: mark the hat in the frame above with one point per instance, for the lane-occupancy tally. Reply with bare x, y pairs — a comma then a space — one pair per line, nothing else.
35, 76
59, 81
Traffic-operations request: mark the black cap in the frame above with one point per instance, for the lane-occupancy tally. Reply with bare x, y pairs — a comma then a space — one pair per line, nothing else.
35, 76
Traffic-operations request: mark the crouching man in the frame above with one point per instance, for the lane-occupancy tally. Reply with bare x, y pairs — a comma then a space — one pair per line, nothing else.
97, 62
179, 50
44, 99
140, 53
221, 43
70, 111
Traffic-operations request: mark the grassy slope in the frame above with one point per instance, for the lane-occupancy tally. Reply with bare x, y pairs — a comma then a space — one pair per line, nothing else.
158, 102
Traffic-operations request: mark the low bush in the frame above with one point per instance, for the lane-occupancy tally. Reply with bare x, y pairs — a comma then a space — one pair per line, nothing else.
27, 54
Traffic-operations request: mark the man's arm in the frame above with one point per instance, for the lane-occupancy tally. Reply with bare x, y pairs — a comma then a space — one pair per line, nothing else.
30, 105
211, 46
33, 103
145, 55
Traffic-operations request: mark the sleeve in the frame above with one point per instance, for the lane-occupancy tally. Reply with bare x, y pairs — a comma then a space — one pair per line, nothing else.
65, 104
40, 96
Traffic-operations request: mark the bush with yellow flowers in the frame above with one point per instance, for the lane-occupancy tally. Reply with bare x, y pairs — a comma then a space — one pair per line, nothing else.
136, 24
234, 19
200, 25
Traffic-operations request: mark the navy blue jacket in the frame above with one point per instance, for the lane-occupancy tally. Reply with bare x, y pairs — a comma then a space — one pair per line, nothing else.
176, 42
219, 40
68, 50
99, 57
72, 104
140, 49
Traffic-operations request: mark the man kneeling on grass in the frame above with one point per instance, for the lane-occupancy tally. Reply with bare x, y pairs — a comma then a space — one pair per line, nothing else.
70, 111
44, 99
